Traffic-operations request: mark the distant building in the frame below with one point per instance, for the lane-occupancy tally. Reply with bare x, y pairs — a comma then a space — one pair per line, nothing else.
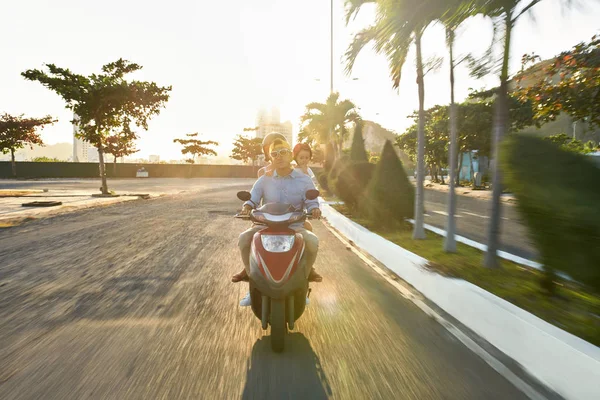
154, 159
269, 122
83, 151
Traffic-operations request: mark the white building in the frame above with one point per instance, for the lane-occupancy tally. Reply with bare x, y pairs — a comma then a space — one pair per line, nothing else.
268, 122
82, 151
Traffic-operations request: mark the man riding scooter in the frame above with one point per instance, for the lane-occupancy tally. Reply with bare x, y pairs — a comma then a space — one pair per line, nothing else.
285, 185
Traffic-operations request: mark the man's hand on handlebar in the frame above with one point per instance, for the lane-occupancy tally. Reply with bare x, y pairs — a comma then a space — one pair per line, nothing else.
246, 210
316, 213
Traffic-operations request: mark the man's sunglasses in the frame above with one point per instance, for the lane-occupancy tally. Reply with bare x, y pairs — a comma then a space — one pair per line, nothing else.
282, 152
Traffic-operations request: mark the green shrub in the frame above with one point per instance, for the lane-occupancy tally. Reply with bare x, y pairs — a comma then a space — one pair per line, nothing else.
389, 197
352, 182
329, 157
558, 194
323, 181
335, 170
357, 150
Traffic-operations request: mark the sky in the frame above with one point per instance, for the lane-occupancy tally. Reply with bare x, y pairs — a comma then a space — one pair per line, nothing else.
225, 60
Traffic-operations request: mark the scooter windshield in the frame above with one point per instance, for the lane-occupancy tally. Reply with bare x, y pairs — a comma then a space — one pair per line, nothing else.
277, 208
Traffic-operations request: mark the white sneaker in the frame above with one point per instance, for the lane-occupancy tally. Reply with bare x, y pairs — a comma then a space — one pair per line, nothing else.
246, 301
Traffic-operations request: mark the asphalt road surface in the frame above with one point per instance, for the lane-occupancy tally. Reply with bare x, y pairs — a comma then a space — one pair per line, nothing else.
472, 218
134, 301
472, 213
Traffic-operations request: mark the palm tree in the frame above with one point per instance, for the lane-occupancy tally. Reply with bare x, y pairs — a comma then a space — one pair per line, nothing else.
328, 122
455, 15
398, 25
505, 13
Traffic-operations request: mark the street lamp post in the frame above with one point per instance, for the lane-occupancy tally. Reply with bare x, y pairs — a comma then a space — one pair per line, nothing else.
331, 52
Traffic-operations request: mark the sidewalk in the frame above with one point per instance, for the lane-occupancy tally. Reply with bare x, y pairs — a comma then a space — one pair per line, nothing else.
13, 213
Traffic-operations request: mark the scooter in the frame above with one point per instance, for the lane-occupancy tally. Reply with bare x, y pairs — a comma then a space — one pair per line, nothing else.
278, 273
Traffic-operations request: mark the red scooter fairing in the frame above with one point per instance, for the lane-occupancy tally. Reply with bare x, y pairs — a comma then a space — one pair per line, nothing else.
278, 253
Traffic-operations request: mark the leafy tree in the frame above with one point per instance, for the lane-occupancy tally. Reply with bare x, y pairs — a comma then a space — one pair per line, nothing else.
570, 84
16, 132
104, 102
357, 151
246, 149
389, 196
120, 145
399, 24
436, 139
566, 142
327, 123
196, 147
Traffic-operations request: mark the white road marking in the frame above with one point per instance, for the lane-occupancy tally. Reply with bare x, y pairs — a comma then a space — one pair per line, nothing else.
497, 365
446, 214
475, 215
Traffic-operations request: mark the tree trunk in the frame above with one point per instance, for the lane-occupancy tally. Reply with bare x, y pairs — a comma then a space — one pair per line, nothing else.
500, 126
459, 167
439, 167
115, 167
13, 162
471, 169
419, 230
450, 239
102, 167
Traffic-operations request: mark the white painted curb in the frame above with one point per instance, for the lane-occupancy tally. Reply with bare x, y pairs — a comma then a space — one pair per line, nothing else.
565, 363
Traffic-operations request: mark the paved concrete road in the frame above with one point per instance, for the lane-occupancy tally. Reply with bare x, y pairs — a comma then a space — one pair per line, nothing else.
134, 301
472, 222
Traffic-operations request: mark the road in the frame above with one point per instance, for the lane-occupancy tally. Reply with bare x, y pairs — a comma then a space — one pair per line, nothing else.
472, 213
472, 218
133, 301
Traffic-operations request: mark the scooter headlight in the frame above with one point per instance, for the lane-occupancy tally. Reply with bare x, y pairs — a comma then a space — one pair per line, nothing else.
278, 243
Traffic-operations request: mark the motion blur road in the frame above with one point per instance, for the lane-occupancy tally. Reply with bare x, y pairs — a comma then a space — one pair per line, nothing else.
133, 301
472, 218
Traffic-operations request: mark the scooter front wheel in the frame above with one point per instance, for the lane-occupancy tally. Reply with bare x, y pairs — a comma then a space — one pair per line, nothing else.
278, 325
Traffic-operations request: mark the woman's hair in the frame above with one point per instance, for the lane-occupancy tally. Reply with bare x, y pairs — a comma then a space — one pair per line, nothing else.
301, 146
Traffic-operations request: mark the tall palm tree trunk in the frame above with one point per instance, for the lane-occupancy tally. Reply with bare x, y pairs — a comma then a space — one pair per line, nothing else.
419, 230
500, 126
450, 239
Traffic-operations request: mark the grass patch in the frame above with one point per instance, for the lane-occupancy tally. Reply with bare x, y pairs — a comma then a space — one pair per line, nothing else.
575, 309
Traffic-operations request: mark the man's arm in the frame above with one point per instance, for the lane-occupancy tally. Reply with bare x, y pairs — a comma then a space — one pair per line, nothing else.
256, 194
310, 204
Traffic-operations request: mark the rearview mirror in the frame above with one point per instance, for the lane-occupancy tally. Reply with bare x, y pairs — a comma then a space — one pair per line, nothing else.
312, 194
244, 195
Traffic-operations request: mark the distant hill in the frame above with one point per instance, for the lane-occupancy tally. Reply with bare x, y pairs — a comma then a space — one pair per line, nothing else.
61, 151
375, 136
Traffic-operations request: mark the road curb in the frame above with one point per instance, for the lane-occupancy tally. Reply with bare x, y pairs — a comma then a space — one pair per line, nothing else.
565, 363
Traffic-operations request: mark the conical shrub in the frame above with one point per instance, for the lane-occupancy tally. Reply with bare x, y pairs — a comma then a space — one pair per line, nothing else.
389, 197
352, 182
357, 151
